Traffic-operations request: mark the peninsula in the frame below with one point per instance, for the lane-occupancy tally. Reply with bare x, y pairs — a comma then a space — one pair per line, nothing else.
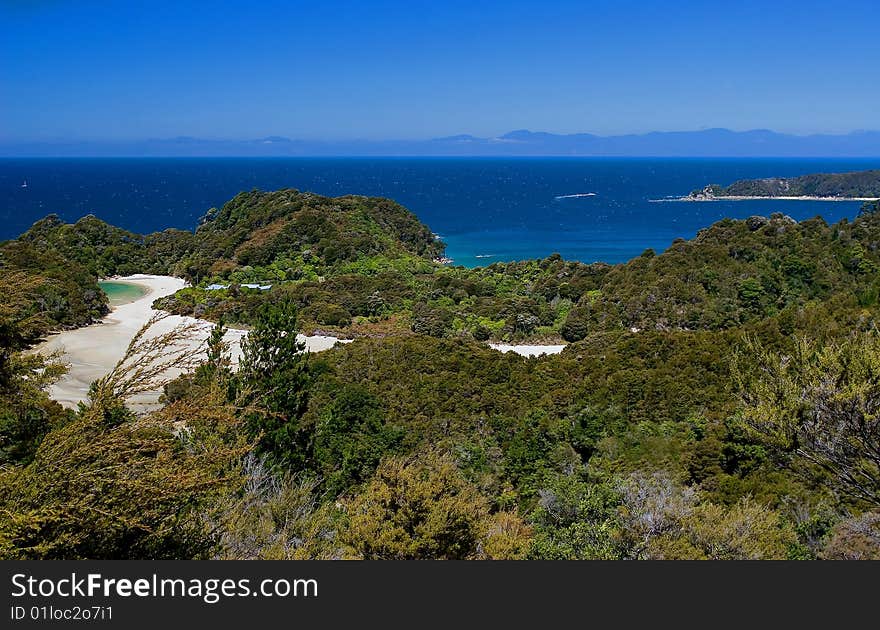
855, 186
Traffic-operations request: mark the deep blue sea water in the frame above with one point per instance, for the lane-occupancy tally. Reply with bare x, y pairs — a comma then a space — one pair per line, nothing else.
486, 209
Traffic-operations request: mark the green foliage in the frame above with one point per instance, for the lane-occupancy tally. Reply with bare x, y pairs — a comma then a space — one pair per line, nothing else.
26, 413
277, 517
576, 520
356, 265
273, 380
98, 491
733, 273
663, 520
822, 405
576, 325
268, 231
105, 250
422, 507
350, 438
419, 441
61, 293
504, 301
24, 422
650, 516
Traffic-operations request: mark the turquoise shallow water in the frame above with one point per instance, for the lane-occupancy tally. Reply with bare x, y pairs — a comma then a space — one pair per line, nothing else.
486, 209
121, 292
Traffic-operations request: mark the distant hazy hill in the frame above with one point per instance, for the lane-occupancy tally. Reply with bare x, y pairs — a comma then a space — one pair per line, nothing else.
856, 184
709, 142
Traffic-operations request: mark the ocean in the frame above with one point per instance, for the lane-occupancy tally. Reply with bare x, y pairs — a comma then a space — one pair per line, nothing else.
485, 209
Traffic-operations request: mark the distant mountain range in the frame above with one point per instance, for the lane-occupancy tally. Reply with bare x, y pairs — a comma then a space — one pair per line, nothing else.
704, 143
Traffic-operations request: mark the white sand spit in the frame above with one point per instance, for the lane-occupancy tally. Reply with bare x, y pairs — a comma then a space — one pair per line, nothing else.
527, 351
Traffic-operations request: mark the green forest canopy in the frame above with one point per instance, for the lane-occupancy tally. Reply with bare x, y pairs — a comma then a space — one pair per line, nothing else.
697, 411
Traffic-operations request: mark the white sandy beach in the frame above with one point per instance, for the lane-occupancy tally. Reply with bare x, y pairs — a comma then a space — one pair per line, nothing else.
527, 351
91, 352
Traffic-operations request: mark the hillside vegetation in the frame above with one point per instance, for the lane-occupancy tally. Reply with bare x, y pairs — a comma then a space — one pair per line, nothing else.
357, 266
732, 273
735, 272
61, 293
719, 400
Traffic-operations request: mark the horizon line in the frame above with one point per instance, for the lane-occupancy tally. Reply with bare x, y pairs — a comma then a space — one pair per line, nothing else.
445, 156
715, 142
504, 137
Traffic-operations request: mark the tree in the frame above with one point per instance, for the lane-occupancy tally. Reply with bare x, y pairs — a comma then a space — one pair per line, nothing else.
661, 519
576, 520
743, 531
854, 539
104, 492
576, 325
276, 516
216, 365
351, 437
19, 324
273, 385
653, 507
819, 406
427, 320
26, 413
419, 507
751, 293
113, 485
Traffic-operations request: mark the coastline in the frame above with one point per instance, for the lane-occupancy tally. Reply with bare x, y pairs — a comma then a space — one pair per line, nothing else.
762, 198
92, 351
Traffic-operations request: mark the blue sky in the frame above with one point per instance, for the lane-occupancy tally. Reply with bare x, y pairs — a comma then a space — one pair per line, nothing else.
105, 70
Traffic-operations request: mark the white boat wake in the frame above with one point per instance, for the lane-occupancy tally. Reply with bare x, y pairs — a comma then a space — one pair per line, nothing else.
575, 196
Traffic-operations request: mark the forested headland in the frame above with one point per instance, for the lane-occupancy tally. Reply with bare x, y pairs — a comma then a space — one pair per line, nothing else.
720, 399
860, 184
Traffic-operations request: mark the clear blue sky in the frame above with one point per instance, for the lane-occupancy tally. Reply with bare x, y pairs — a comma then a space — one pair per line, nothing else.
109, 69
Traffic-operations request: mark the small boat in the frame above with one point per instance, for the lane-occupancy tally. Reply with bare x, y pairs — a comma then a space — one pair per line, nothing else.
24, 184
